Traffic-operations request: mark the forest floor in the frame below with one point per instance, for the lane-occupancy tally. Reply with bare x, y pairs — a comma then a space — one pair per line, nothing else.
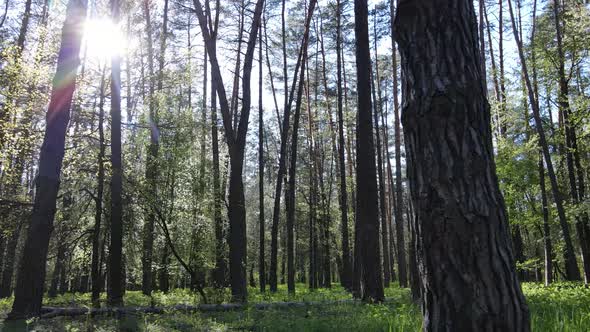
560, 307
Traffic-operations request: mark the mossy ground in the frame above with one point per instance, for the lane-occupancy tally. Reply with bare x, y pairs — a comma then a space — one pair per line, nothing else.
560, 307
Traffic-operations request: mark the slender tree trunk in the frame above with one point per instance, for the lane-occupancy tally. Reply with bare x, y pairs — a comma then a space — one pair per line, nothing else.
29, 286
151, 172
9, 260
95, 270
546, 228
377, 108
292, 174
502, 116
399, 223
116, 288
367, 213
467, 286
236, 141
572, 153
571, 266
261, 259
346, 279
282, 158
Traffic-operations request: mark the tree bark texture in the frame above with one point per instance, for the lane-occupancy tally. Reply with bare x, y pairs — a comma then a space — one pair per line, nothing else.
464, 252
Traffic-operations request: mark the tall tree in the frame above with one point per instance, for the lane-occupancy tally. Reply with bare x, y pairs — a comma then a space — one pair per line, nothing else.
151, 170
454, 188
236, 141
261, 259
571, 266
398, 210
98, 199
346, 277
116, 287
29, 286
367, 210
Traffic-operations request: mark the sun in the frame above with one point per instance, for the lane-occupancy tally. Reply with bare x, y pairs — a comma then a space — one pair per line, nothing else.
103, 39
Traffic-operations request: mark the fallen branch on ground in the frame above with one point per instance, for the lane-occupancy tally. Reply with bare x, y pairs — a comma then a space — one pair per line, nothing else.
52, 312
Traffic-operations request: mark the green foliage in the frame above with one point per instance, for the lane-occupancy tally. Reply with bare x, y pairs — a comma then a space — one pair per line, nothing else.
559, 307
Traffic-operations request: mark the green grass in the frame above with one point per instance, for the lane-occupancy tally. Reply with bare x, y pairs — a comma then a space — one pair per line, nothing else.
560, 307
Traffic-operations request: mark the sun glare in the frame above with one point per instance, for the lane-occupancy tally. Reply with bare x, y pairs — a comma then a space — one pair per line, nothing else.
103, 39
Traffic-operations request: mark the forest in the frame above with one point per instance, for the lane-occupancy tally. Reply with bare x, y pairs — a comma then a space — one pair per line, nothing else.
300, 165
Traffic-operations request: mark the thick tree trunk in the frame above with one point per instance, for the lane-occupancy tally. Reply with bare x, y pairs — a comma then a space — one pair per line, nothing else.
465, 255
29, 286
367, 212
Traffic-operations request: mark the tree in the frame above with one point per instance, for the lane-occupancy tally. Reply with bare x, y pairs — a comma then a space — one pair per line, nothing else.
346, 278
571, 266
236, 141
454, 189
29, 286
399, 224
116, 287
261, 260
367, 212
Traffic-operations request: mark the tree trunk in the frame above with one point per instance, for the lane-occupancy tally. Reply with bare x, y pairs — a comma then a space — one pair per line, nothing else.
95, 270
367, 213
151, 172
236, 141
261, 259
571, 266
377, 108
282, 159
467, 286
9, 260
29, 287
346, 279
572, 153
546, 228
116, 288
399, 222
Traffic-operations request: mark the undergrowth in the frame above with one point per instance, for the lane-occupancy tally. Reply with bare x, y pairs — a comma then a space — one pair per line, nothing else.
559, 307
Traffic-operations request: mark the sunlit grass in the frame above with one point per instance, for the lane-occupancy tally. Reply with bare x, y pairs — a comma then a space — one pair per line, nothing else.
560, 307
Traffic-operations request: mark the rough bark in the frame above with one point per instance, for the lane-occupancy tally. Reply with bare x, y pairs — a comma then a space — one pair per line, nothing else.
29, 286
465, 256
